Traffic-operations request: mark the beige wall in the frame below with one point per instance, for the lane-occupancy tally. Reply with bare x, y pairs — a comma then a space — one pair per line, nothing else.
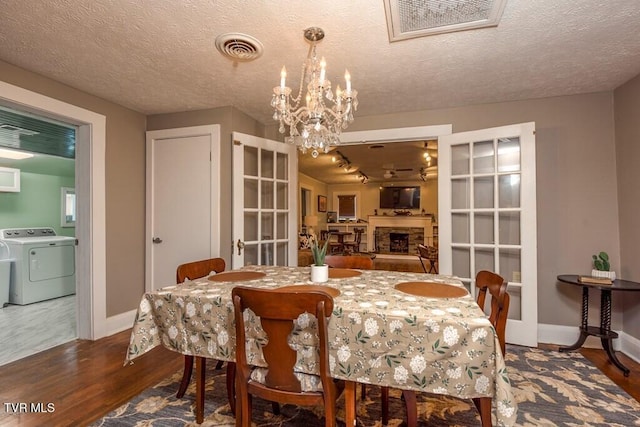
317, 188
125, 185
627, 119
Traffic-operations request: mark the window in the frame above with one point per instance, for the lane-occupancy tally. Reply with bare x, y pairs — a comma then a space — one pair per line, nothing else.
347, 207
68, 207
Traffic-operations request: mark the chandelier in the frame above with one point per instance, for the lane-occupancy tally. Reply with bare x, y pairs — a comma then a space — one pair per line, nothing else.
314, 123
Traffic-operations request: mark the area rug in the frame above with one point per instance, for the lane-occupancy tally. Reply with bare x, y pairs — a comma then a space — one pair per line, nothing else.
552, 389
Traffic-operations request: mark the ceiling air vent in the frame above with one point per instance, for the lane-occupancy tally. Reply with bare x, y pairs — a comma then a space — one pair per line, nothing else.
408, 19
239, 47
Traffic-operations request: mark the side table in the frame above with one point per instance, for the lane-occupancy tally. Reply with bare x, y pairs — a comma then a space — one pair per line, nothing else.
604, 332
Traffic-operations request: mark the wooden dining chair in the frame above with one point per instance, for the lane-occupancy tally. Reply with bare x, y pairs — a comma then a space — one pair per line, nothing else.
195, 270
354, 245
430, 255
324, 235
277, 310
486, 281
349, 261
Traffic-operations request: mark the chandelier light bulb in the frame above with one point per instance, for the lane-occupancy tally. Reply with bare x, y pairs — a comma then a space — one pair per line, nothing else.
283, 76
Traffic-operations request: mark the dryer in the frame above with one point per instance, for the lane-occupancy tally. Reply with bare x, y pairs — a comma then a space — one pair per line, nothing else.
44, 264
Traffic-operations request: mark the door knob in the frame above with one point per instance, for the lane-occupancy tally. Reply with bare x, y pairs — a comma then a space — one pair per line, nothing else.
240, 246
157, 240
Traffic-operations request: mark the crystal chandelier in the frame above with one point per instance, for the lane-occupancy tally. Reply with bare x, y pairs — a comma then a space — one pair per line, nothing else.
314, 123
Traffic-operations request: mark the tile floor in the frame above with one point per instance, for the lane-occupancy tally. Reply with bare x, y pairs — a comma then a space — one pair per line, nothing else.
32, 328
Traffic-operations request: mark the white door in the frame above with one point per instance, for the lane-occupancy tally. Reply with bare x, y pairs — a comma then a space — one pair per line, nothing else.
183, 175
265, 184
487, 216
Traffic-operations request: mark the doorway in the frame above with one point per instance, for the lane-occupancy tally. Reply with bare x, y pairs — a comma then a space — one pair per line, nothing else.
90, 304
42, 153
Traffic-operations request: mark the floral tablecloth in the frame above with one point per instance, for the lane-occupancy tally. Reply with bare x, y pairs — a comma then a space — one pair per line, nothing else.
378, 335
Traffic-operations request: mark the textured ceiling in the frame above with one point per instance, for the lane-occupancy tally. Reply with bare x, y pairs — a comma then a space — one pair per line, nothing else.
160, 56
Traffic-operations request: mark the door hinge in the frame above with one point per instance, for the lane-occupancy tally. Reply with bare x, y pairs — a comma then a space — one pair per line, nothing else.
236, 142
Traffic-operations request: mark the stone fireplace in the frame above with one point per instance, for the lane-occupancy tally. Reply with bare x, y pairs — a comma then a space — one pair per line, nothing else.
398, 235
399, 243
398, 240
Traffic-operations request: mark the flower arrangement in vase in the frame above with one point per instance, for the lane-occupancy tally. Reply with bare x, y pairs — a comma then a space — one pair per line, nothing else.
602, 266
319, 270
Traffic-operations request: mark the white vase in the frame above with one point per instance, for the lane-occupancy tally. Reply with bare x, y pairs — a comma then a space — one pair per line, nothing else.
319, 273
608, 274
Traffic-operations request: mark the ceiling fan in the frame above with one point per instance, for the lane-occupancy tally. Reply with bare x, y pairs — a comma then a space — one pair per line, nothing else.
391, 172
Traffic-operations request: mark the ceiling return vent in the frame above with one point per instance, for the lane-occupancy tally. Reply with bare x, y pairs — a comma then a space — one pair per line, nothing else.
408, 19
239, 47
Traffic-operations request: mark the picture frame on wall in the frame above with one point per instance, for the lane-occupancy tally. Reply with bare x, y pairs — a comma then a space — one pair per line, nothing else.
322, 203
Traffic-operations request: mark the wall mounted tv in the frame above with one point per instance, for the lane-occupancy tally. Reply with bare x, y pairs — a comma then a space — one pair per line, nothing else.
400, 198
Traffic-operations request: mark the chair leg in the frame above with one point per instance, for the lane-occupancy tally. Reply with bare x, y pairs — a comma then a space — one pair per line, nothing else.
363, 391
219, 365
231, 386
275, 407
423, 267
483, 404
201, 366
384, 398
411, 403
432, 267
186, 376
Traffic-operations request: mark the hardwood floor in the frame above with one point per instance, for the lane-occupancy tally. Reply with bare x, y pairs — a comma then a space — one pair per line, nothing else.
83, 380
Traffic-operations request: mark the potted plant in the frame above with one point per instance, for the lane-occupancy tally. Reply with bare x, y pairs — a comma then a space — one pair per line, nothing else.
319, 270
602, 266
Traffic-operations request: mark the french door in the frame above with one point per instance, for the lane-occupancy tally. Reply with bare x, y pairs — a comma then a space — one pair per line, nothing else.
265, 186
487, 216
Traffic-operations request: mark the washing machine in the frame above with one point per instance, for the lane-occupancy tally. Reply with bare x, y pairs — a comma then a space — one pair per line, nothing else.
44, 264
6, 265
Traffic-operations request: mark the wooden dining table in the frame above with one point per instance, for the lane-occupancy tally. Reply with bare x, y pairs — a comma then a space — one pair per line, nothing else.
412, 331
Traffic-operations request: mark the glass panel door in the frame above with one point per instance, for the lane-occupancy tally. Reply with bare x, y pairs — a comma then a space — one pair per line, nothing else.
486, 197
264, 185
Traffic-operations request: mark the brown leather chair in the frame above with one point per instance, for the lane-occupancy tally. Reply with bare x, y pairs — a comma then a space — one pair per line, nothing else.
349, 261
497, 287
195, 270
430, 255
277, 309
354, 245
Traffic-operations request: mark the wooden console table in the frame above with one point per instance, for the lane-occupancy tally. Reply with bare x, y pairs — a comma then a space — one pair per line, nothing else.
604, 332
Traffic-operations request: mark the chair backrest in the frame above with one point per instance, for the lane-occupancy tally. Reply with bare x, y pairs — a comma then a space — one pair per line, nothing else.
497, 287
358, 235
428, 252
198, 269
349, 261
324, 235
277, 309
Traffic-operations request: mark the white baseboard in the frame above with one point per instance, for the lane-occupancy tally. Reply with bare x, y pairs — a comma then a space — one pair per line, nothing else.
630, 346
567, 335
120, 322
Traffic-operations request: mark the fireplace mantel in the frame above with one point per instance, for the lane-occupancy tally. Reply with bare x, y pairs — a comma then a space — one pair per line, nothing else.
408, 221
